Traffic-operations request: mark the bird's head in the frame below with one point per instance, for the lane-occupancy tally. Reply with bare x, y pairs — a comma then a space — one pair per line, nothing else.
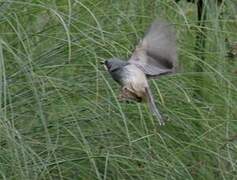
113, 64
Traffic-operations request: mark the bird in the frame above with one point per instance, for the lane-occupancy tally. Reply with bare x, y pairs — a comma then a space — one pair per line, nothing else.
154, 56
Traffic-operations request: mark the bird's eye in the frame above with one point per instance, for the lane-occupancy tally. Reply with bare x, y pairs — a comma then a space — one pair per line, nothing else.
108, 65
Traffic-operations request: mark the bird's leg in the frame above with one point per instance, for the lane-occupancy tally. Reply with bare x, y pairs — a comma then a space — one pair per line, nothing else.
127, 95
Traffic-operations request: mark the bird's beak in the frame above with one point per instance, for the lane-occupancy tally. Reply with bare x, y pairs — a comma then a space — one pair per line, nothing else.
102, 62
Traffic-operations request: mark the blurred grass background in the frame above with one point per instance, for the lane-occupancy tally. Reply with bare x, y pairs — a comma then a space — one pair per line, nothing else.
59, 116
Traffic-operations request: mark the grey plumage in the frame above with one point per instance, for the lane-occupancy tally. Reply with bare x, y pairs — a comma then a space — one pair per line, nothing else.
156, 53
115, 67
154, 56
152, 105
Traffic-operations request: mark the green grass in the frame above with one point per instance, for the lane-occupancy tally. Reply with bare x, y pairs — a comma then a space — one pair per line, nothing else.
59, 116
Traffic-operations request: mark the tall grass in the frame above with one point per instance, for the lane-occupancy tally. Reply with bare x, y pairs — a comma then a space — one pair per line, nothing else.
59, 115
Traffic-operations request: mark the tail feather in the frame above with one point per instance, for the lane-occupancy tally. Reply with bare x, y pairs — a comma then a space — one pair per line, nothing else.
153, 107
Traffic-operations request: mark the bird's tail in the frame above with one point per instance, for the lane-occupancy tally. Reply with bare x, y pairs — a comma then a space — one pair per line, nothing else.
152, 106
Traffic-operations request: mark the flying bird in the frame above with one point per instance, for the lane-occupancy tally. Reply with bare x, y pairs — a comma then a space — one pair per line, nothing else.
155, 55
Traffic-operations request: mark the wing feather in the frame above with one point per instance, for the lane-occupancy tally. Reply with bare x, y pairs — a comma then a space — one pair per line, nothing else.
156, 54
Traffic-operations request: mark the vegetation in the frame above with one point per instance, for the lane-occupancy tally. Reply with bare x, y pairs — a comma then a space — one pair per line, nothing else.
59, 116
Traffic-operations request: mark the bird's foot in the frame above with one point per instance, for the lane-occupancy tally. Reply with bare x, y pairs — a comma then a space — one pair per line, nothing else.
126, 99
127, 95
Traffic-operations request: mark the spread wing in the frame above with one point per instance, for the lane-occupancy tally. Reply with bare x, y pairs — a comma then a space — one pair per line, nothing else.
156, 54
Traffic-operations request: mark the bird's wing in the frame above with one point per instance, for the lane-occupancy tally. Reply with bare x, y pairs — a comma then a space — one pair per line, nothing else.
156, 54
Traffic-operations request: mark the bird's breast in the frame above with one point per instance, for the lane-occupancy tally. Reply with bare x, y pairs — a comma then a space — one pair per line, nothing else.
134, 79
